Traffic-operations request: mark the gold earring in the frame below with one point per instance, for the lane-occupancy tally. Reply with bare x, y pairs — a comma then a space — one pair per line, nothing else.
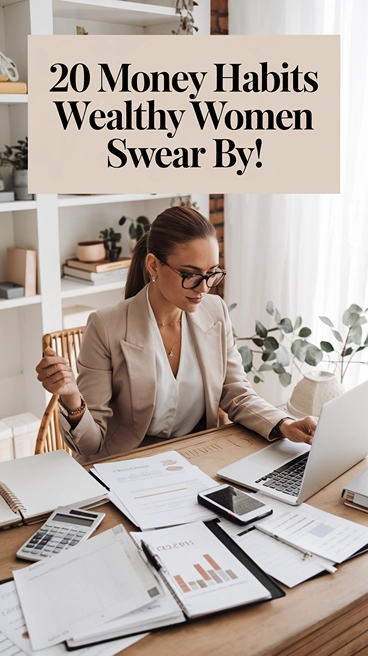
153, 279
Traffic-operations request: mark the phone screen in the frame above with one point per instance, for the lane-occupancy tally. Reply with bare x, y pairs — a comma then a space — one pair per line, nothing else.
234, 500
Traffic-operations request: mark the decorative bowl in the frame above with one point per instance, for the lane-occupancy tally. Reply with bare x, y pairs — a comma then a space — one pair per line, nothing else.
90, 251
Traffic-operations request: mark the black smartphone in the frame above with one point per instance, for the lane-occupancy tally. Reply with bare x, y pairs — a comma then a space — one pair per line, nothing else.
235, 505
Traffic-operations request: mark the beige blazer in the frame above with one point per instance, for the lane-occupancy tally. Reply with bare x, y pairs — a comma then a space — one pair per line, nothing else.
117, 377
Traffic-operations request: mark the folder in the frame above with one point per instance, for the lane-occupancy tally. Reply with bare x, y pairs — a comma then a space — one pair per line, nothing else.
218, 587
32, 487
355, 494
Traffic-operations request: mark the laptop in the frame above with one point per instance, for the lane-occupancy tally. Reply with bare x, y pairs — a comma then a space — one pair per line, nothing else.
293, 472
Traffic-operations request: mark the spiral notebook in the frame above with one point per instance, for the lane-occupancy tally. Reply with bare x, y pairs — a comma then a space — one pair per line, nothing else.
31, 488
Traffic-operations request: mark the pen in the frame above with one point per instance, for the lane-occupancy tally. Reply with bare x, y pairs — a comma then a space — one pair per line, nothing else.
99, 480
289, 544
329, 568
151, 557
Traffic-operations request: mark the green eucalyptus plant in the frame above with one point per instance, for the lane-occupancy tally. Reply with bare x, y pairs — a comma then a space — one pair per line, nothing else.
285, 345
137, 226
16, 156
352, 343
279, 347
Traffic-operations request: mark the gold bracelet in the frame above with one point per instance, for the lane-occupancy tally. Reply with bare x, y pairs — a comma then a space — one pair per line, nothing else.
70, 413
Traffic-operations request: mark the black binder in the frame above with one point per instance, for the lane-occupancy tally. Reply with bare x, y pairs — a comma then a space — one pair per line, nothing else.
273, 588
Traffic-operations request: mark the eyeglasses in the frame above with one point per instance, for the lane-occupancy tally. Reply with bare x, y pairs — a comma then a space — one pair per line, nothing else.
192, 280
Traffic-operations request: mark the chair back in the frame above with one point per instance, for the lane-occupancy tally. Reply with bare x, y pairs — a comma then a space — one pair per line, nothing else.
65, 343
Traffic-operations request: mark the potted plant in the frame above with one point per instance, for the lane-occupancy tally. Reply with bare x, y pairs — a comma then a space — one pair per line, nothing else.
137, 226
17, 158
111, 238
285, 345
279, 348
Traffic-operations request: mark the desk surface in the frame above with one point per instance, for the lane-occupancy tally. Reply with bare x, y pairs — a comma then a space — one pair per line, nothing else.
322, 617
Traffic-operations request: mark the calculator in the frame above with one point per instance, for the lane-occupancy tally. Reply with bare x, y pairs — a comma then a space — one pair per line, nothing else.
65, 528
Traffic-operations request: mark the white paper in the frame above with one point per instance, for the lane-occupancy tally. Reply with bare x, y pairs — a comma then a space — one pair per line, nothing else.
203, 573
73, 591
164, 611
159, 490
284, 563
13, 629
115, 499
313, 530
8, 647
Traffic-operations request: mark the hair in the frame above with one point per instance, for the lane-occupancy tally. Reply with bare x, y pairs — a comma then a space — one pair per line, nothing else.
173, 227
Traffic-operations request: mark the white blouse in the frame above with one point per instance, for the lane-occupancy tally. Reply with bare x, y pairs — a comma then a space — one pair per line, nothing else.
180, 401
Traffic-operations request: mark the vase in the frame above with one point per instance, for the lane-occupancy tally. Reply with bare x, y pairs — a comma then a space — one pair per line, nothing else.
315, 389
20, 184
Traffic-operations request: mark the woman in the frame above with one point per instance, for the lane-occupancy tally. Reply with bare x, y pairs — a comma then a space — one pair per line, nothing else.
160, 363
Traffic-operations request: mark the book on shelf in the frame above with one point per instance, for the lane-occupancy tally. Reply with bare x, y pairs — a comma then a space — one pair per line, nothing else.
102, 265
95, 283
6, 196
13, 87
32, 487
92, 276
21, 268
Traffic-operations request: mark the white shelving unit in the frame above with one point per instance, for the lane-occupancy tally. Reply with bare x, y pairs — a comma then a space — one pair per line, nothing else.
74, 201
53, 224
12, 98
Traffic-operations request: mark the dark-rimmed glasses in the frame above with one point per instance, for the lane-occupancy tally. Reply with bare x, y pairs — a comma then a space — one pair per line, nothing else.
192, 280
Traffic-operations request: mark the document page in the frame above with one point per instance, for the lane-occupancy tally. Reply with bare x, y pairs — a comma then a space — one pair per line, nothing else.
204, 575
14, 640
164, 611
159, 490
92, 583
313, 530
284, 563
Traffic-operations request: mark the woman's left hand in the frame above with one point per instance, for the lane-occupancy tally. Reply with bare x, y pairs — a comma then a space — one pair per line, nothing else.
301, 430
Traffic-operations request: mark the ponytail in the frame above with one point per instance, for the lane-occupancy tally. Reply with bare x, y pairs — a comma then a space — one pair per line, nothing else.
137, 275
172, 228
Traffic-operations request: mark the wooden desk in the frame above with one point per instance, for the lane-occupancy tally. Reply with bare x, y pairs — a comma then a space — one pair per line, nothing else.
324, 616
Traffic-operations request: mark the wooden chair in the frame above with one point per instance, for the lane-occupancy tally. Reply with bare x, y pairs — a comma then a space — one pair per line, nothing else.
67, 344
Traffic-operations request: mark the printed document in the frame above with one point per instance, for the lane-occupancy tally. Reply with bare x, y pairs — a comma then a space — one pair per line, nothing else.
164, 611
90, 584
284, 563
203, 574
313, 530
159, 490
14, 639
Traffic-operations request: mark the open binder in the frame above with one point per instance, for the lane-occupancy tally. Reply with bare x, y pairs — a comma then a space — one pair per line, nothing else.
257, 586
32, 487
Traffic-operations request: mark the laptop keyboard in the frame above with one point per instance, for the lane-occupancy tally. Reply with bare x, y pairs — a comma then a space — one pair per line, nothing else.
288, 477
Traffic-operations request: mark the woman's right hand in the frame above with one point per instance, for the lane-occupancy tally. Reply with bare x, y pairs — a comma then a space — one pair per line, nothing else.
56, 375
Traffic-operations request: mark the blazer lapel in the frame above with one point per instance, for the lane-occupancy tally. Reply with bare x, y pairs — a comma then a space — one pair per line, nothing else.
207, 340
139, 353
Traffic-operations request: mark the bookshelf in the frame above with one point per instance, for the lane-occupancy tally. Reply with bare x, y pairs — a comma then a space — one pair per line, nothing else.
53, 224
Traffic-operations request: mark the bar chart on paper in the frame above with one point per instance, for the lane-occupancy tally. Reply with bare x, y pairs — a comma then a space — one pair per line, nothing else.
215, 575
200, 571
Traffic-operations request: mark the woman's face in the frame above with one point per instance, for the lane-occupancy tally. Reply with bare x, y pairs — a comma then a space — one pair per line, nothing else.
200, 257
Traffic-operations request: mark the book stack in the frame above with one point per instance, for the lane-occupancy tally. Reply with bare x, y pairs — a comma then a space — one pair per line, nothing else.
6, 86
97, 273
6, 196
